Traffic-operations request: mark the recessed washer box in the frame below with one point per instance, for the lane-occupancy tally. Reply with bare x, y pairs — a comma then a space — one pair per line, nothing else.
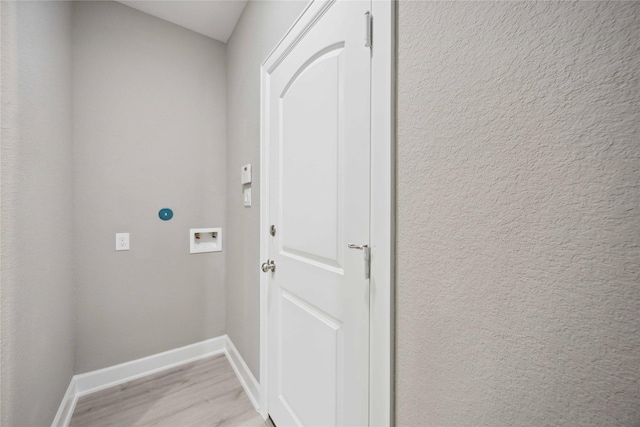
205, 240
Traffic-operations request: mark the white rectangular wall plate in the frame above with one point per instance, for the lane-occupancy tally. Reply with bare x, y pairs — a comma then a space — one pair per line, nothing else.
246, 174
122, 241
205, 240
247, 197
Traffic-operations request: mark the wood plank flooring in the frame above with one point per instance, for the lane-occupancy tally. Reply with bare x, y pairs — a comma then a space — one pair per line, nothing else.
202, 393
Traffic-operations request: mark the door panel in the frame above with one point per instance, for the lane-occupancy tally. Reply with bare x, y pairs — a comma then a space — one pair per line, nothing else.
311, 142
318, 120
308, 334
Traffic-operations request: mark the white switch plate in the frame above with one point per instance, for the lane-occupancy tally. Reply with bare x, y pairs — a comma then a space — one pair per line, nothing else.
122, 241
247, 196
246, 174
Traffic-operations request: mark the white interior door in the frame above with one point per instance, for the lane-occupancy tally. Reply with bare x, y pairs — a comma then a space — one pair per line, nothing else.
318, 144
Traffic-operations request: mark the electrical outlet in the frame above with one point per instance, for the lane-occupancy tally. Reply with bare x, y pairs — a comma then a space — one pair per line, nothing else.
122, 241
246, 174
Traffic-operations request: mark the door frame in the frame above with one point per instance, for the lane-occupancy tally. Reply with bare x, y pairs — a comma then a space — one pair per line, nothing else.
382, 221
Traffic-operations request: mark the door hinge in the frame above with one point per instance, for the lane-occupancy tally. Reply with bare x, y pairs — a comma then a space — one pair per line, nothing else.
368, 40
366, 250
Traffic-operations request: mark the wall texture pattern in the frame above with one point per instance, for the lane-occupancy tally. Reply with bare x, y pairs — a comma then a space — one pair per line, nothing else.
149, 132
518, 252
37, 299
260, 28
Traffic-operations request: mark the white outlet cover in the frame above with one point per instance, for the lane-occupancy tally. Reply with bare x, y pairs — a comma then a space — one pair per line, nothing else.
246, 174
122, 241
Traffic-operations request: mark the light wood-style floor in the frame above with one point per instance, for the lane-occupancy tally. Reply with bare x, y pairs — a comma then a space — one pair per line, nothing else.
202, 393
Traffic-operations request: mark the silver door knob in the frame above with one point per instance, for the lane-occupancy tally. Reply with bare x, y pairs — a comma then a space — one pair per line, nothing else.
354, 246
269, 265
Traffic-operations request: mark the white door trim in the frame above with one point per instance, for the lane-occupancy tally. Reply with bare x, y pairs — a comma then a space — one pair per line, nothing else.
381, 352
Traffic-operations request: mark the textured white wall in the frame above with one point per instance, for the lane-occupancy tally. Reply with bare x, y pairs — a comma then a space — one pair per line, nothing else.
260, 28
149, 132
36, 288
518, 252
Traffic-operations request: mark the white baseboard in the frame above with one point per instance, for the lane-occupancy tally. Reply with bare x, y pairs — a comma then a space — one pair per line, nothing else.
113, 375
67, 406
91, 382
248, 381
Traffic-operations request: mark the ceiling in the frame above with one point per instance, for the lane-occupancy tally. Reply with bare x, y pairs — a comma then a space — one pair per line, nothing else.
213, 18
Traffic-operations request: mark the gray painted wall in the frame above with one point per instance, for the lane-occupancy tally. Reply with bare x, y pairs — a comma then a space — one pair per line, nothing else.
259, 29
518, 214
149, 132
36, 289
